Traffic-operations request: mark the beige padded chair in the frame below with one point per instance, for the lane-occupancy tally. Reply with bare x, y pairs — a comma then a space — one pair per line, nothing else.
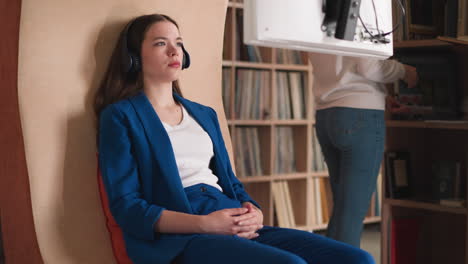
53, 54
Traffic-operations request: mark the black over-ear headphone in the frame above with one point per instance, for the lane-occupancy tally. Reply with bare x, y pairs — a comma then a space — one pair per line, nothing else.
131, 62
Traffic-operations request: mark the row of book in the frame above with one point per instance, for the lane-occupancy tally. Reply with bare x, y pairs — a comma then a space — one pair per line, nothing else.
285, 56
322, 202
447, 186
226, 92
401, 32
285, 155
317, 158
252, 97
252, 94
446, 18
284, 211
245, 52
403, 240
426, 238
291, 95
247, 152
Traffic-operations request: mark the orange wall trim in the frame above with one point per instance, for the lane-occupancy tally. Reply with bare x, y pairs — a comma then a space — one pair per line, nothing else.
19, 236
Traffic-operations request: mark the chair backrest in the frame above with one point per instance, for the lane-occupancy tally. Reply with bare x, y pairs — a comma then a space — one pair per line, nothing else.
63, 49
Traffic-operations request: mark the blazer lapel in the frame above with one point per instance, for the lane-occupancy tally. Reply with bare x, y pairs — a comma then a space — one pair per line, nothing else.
169, 181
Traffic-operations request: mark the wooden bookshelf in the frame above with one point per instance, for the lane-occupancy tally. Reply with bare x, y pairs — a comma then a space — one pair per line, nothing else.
281, 133
269, 122
425, 206
436, 124
420, 44
442, 231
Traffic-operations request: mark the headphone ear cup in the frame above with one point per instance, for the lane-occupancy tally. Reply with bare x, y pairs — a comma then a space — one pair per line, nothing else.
131, 63
136, 63
185, 59
126, 62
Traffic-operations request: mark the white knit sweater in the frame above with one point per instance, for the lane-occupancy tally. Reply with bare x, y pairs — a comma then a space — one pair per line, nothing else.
352, 82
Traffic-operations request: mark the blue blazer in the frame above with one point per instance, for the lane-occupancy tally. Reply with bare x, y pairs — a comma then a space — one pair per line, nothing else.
141, 178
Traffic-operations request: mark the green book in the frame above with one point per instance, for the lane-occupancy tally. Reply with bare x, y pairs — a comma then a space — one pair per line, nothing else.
446, 180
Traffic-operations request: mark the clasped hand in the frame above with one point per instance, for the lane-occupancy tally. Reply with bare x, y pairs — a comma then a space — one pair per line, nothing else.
243, 222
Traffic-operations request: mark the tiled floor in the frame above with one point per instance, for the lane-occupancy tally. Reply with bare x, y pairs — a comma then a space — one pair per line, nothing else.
371, 241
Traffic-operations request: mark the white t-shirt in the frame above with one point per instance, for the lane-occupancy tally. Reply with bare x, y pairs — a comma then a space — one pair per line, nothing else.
193, 151
352, 82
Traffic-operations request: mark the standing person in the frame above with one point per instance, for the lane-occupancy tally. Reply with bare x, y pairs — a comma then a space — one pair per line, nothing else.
167, 173
350, 103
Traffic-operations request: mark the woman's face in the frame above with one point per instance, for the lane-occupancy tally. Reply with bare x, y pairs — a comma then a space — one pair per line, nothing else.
161, 53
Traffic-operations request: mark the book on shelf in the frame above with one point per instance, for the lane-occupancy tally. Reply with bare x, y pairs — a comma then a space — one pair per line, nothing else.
283, 101
248, 152
378, 194
397, 169
285, 161
253, 53
226, 93
241, 52
462, 25
245, 52
404, 236
318, 202
317, 158
252, 95
417, 100
290, 87
451, 18
310, 205
284, 56
289, 207
227, 37
437, 94
325, 198
323, 201
296, 89
446, 180
279, 205
455, 202
398, 18
447, 122
283, 205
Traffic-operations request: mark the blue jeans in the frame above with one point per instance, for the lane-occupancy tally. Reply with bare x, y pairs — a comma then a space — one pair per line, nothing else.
274, 245
352, 142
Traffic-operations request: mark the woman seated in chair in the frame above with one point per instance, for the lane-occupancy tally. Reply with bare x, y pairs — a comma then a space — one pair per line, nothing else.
167, 173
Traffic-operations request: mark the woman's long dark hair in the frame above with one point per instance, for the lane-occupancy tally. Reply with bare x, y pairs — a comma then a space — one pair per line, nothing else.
118, 85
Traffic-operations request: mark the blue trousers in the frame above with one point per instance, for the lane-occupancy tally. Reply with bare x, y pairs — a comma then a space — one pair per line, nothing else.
273, 245
352, 142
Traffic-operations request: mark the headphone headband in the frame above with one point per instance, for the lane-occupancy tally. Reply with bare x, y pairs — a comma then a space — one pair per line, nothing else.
130, 62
